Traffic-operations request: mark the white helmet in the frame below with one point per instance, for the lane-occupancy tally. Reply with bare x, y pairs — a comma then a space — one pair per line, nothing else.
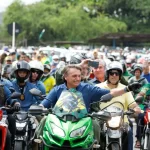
36, 65
115, 65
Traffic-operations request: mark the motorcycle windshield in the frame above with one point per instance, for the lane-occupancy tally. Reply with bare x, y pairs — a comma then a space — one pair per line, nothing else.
114, 108
70, 104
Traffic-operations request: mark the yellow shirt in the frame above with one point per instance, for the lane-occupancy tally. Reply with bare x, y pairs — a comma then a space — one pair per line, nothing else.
126, 99
49, 83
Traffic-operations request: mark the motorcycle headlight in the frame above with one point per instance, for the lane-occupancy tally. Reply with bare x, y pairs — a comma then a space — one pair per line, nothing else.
20, 125
57, 131
78, 132
114, 122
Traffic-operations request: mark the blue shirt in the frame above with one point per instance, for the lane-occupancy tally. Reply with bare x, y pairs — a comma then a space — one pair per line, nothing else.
147, 76
41, 87
6, 82
89, 92
94, 80
29, 99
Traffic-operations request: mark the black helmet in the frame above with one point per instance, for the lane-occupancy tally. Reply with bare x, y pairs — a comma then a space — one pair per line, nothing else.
115, 65
21, 66
77, 58
111, 58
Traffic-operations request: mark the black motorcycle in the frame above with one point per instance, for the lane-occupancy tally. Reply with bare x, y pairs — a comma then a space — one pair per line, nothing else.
25, 129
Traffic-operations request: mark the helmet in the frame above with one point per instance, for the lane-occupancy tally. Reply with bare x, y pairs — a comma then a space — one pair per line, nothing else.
128, 61
24, 66
62, 57
137, 67
77, 58
38, 66
111, 58
55, 57
46, 66
6, 69
114, 66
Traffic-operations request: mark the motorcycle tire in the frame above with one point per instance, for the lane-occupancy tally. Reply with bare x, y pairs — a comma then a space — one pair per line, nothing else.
115, 146
18, 145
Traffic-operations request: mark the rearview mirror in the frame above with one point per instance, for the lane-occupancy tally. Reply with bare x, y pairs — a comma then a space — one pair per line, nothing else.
36, 92
15, 95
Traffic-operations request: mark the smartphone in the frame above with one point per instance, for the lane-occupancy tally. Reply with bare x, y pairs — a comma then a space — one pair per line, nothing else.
93, 64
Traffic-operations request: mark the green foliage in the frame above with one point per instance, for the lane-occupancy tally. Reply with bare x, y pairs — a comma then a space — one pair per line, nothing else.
135, 13
63, 20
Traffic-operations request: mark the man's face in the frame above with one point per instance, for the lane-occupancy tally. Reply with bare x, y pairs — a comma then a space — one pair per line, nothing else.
113, 76
23, 57
146, 69
100, 71
73, 77
9, 62
46, 71
22, 73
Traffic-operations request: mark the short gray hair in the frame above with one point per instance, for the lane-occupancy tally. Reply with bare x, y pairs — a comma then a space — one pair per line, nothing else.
101, 62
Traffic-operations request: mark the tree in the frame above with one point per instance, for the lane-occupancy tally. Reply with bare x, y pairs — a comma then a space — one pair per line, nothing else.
135, 13
62, 20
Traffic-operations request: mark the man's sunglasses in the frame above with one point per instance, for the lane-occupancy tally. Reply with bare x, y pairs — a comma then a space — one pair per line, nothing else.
112, 73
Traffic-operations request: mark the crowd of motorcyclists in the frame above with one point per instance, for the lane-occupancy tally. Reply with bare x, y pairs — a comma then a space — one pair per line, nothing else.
51, 74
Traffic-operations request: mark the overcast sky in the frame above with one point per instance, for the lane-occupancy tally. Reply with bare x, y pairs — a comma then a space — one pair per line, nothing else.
5, 3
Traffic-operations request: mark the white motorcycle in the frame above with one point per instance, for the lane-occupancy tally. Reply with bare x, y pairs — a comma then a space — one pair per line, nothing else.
114, 131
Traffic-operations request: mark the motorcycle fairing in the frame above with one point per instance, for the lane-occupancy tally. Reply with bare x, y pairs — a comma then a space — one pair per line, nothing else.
70, 103
69, 116
51, 138
3, 129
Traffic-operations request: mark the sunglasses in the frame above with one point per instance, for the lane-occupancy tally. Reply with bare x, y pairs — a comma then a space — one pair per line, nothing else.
36, 71
112, 73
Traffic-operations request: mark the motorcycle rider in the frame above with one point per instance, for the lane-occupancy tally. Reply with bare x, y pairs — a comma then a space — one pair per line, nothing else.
91, 93
4, 101
126, 74
37, 70
22, 85
47, 79
6, 72
114, 73
144, 93
137, 69
99, 72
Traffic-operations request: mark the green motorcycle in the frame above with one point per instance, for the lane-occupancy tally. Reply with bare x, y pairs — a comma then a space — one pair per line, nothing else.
68, 125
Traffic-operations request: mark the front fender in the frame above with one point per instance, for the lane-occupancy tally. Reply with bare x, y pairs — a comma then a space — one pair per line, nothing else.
114, 133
